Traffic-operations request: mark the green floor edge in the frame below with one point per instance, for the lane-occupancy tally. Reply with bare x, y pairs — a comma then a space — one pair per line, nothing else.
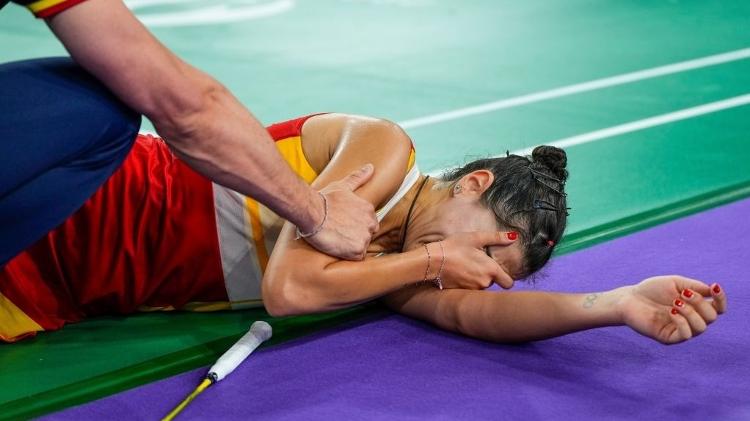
640, 221
295, 327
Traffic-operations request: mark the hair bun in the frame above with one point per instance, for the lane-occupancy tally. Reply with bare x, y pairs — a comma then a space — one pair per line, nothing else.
554, 159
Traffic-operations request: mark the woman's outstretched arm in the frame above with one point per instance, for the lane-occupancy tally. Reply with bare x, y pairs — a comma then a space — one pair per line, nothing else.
648, 307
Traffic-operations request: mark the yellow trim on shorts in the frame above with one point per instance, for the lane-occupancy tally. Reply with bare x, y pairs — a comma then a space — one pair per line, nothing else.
14, 322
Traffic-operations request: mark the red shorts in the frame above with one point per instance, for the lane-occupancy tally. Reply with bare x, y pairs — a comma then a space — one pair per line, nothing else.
130, 238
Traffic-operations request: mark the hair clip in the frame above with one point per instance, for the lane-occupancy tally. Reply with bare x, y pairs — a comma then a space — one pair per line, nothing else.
541, 174
545, 205
550, 243
540, 204
536, 174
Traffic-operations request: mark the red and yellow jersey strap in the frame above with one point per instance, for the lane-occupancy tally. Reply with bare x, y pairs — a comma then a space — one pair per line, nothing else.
44, 9
290, 128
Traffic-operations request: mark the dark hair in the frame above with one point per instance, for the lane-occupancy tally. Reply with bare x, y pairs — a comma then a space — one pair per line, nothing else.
528, 196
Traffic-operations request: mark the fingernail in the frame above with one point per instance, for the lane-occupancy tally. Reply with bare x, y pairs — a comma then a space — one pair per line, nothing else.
679, 303
717, 289
674, 311
366, 168
687, 293
512, 236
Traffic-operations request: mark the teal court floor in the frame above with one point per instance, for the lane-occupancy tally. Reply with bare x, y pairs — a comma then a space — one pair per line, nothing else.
650, 99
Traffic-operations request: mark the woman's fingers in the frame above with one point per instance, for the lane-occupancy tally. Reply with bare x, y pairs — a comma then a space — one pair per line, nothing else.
682, 331
692, 284
481, 239
502, 279
695, 321
493, 272
720, 299
704, 308
692, 311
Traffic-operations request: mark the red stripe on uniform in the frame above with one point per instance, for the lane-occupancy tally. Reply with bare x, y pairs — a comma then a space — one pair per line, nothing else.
289, 128
58, 8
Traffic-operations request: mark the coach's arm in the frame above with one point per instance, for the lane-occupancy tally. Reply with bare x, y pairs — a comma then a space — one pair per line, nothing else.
204, 124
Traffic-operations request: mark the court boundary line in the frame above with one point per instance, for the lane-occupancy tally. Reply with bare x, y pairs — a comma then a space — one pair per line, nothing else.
633, 126
577, 88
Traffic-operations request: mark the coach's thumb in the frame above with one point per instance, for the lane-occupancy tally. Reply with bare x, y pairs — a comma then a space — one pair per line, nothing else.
359, 177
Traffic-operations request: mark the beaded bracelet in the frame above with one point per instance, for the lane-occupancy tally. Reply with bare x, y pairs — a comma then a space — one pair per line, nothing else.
319, 228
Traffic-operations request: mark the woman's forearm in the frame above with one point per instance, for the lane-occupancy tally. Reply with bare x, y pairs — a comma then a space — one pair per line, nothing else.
291, 290
512, 316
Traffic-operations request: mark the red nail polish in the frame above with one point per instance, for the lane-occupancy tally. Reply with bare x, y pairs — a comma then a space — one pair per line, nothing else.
512, 236
717, 289
679, 303
687, 293
674, 311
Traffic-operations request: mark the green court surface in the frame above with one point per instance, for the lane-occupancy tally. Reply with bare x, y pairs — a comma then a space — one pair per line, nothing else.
645, 148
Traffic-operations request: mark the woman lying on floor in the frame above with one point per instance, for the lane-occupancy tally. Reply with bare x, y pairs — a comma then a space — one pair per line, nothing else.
157, 236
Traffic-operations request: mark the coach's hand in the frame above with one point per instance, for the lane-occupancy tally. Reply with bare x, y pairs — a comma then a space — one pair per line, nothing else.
351, 221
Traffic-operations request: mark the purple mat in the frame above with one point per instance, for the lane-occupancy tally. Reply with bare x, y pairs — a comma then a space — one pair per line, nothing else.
394, 368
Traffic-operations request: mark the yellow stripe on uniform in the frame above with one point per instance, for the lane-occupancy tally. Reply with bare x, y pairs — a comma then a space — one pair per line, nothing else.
253, 213
205, 306
40, 5
14, 322
412, 160
291, 150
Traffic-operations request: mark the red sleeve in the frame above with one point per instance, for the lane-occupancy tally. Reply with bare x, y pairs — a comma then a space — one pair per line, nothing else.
289, 128
44, 9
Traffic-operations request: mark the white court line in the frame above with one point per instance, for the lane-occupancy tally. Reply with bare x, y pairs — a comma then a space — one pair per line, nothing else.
206, 12
578, 88
633, 126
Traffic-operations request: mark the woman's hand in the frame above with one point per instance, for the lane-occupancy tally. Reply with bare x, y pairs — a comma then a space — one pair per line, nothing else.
671, 309
467, 265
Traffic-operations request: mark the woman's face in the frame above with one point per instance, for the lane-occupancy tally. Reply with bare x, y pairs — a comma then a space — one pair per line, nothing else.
463, 211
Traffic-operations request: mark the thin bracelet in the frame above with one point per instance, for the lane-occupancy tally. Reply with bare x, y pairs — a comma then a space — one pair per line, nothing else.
438, 281
426, 271
319, 228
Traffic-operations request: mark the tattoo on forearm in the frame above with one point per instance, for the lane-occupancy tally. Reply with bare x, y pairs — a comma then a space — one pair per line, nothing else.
590, 300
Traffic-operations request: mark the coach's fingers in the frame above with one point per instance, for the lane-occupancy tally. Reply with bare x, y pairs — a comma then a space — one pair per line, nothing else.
359, 177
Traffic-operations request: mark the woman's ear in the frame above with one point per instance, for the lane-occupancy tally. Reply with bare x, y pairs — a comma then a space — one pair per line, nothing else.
474, 184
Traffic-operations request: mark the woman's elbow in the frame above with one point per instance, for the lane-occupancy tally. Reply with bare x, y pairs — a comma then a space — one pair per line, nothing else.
285, 297
277, 298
